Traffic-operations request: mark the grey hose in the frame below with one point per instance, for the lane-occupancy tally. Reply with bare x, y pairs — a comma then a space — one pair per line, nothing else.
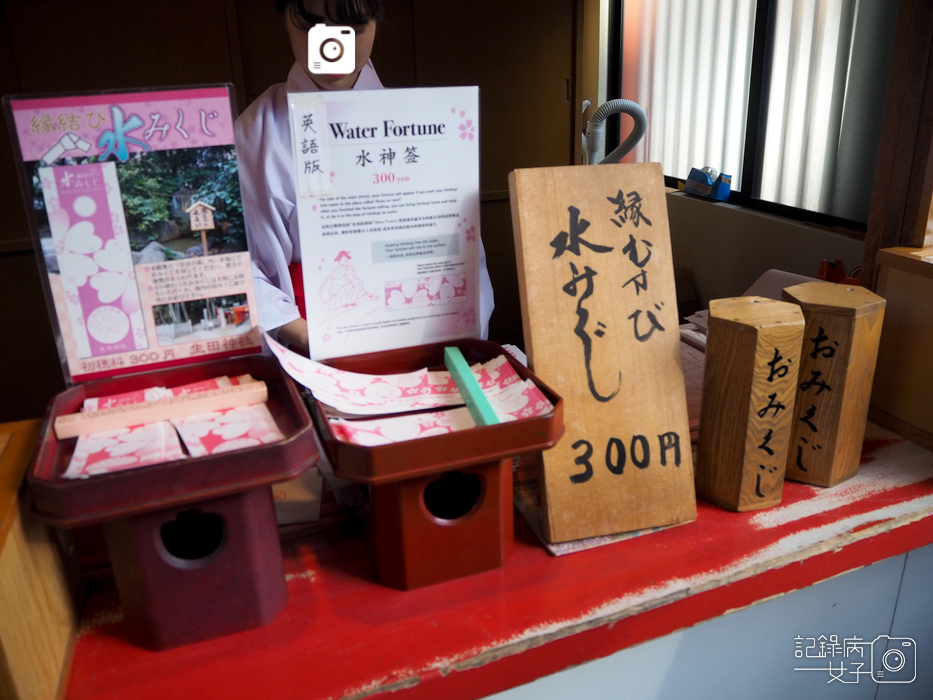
596, 126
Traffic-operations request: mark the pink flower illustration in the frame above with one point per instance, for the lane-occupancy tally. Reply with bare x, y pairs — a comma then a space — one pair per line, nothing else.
466, 130
471, 233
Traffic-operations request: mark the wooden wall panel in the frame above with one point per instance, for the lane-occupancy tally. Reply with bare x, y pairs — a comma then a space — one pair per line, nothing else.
394, 50
14, 233
104, 44
264, 48
520, 54
496, 226
29, 369
903, 188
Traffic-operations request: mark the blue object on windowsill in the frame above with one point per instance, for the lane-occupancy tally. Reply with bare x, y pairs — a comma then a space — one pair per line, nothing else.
706, 182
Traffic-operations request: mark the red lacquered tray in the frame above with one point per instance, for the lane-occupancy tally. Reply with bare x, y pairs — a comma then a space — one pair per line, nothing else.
69, 502
438, 453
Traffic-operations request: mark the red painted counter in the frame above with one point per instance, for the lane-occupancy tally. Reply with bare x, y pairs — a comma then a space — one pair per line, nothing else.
343, 635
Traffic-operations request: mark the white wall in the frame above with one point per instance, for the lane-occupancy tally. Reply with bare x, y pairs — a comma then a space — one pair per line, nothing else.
750, 653
727, 247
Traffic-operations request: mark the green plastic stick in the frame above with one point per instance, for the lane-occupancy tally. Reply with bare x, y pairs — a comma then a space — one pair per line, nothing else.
473, 396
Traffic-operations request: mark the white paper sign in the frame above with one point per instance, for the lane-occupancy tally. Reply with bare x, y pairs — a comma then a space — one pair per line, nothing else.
312, 166
388, 213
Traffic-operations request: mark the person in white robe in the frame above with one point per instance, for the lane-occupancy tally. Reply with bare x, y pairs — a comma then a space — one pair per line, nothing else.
266, 168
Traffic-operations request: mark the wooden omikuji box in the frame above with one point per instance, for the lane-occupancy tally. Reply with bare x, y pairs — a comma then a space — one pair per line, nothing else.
440, 507
193, 542
192, 537
37, 617
749, 387
837, 365
902, 395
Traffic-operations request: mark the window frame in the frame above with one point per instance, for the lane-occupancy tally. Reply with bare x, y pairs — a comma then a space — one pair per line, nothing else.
752, 150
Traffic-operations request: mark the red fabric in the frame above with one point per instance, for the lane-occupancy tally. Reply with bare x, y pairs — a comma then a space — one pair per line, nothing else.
294, 271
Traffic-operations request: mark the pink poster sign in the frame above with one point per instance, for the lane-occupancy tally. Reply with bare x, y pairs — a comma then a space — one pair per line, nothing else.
49, 129
132, 282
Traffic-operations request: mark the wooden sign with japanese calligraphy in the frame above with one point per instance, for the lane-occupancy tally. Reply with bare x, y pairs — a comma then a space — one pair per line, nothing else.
201, 218
600, 319
837, 365
749, 387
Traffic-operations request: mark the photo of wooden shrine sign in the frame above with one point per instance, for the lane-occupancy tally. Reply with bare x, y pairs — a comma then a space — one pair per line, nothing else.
600, 319
201, 218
